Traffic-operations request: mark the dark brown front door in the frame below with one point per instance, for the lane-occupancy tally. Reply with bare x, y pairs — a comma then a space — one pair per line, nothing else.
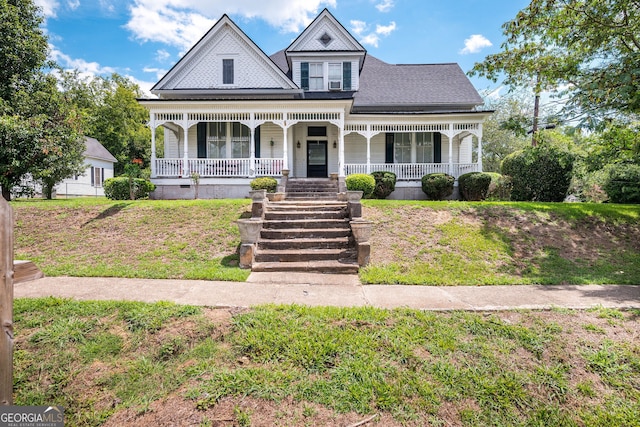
317, 159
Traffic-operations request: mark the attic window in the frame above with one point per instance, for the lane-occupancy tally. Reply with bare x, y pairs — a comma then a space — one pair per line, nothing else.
325, 39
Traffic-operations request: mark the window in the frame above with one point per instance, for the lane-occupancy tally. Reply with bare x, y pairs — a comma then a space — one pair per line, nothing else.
402, 147
217, 140
316, 78
239, 141
227, 71
317, 131
424, 147
97, 177
335, 76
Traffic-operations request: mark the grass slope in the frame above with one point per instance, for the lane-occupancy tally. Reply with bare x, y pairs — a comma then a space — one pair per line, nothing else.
134, 364
425, 243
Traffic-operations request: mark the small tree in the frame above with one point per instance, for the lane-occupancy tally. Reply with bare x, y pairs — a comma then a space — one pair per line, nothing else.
438, 186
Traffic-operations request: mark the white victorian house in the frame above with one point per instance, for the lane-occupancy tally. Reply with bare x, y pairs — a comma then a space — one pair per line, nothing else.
321, 106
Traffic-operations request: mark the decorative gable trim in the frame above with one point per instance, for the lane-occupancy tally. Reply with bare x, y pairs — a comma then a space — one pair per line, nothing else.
325, 33
223, 30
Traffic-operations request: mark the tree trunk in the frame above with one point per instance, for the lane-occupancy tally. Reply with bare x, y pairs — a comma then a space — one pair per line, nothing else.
536, 112
47, 189
6, 303
6, 194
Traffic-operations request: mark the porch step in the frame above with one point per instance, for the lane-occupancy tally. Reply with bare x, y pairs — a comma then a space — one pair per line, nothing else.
306, 235
311, 189
331, 267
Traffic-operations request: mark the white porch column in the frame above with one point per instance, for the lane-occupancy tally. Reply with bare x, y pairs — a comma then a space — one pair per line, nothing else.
450, 148
185, 128
368, 150
285, 146
153, 147
341, 150
252, 146
480, 148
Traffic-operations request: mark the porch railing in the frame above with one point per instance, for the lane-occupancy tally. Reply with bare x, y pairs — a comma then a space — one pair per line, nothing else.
414, 171
174, 167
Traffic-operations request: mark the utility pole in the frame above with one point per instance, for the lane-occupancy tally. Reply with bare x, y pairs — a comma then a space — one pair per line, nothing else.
536, 112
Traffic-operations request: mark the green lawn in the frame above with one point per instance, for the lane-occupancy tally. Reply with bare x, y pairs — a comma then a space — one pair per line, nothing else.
136, 364
417, 243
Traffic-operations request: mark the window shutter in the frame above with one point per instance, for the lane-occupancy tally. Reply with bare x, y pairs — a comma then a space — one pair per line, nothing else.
437, 147
101, 176
304, 75
256, 140
346, 76
93, 182
388, 152
202, 140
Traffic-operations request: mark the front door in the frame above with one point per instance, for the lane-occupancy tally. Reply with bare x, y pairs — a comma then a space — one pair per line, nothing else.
317, 159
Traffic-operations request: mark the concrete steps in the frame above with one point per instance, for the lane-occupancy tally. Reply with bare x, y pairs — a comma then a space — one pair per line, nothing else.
311, 189
307, 234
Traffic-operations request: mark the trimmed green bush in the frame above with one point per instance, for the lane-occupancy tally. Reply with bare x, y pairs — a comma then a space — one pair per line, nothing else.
500, 187
385, 184
474, 186
361, 182
264, 183
622, 183
542, 173
118, 188
438, 186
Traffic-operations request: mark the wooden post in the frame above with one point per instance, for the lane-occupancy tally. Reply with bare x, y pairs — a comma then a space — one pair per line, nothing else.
6, 303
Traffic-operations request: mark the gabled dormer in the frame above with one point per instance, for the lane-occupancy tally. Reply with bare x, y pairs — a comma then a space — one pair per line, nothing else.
326, 57
225, 62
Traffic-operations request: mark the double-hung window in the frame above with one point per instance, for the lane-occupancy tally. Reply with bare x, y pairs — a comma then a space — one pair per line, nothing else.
227, 72
402, 147
239, 141
217, 140
424, 147
335, 76
316, 76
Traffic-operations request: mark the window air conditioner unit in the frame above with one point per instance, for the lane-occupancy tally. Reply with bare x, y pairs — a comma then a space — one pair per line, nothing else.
335, 85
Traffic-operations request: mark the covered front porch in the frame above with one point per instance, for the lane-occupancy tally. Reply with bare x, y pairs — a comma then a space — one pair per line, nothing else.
227, 145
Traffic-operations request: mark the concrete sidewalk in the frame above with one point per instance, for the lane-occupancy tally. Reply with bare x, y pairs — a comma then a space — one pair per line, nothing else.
333, 290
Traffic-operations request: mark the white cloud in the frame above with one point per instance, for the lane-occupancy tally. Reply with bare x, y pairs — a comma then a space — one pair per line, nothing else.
386, 30
162, 55
385, 5
159, 72
475, 44
84, 67
73, 4
360, 29
48, 7
181, 23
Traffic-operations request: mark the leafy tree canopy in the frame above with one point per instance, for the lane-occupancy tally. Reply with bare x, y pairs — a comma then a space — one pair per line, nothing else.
586, 50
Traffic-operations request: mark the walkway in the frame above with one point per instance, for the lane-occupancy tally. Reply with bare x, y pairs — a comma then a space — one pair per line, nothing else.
335, 290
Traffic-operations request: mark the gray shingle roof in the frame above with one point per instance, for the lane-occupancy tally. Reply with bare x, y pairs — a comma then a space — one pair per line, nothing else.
95, 150
389, 88
420, 87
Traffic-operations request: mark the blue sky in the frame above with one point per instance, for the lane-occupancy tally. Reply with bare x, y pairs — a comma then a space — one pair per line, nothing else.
142, 39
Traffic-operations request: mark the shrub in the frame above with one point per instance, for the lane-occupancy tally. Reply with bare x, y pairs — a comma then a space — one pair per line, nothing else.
474, 186
500, 187
622, 183
438, 186
264, 183
542, 173
118, 188
385, 184
361, 182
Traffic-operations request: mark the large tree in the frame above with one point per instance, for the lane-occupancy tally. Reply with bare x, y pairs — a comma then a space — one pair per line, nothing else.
39, 132
587, 51
112, 115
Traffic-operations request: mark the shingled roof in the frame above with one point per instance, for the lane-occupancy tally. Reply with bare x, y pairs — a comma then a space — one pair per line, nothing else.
410, 88
95, 150
413, 88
